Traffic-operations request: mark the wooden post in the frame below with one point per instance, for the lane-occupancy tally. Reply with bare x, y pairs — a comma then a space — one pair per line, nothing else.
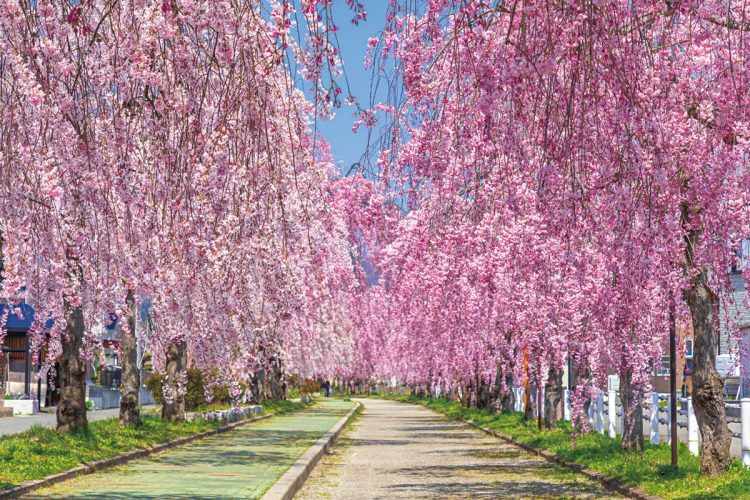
673, 381
539, 405
526, 396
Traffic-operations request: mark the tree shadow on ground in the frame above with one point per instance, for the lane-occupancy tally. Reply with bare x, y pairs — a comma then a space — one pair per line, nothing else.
498, 489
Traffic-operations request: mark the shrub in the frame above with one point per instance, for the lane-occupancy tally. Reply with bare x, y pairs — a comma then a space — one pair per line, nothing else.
196, 391
195, 395
220, 394
309, 386
293, 393
153, 384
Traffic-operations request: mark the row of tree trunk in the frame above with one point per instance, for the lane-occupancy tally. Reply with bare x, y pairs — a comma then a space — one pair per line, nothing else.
480, 394
490, 397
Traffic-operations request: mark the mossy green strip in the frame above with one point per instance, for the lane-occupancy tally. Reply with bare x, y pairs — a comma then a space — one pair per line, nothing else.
40, 451
242, 463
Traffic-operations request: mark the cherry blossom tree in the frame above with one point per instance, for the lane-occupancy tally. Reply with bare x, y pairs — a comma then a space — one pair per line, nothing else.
159, 151
614, 133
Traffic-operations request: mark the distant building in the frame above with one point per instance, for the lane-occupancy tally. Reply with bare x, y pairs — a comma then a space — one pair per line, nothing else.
18, 372
733, 360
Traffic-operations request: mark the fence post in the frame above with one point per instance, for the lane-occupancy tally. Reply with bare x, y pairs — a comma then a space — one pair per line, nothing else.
669, 419
600, 413
566, 412
612, 413
520, 399
745, 413
654, 418
692, 428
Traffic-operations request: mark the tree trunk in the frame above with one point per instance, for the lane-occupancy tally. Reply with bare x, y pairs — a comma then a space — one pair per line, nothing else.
3, 371
71, 410
508, 399
553, 396
173, 407
130, 412
495, 393
580, 422
254, 389
529, 402
484, 395
632, 411
260, 377
276, 382
708, 388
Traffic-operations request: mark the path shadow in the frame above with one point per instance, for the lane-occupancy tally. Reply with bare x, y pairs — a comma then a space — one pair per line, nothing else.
446, 471
432, 428
445, 436
501, 489
380, 442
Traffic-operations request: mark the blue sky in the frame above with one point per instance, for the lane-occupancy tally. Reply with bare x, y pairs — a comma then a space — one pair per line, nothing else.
347, 146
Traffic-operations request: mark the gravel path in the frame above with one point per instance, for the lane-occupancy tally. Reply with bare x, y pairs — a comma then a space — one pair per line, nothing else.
395, 450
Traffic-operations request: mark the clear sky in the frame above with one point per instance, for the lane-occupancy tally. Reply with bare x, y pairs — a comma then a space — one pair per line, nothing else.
347, 146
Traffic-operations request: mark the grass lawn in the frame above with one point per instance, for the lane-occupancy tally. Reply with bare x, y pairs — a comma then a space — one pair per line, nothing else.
40, 451
651, 470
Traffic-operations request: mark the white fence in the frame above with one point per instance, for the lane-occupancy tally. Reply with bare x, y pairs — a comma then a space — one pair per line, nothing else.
655, 414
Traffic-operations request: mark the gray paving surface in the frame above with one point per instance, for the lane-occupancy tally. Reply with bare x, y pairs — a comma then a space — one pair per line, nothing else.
12, 425
397, 450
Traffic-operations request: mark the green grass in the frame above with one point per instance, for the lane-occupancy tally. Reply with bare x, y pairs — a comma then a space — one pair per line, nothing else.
293, 393
283, 406
41, 451
651, 470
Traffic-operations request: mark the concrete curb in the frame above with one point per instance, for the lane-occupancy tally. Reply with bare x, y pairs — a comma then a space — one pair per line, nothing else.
609, 483
29, 486
291, 482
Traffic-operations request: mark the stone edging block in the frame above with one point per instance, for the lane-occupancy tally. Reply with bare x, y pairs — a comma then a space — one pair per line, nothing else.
291, 482
29, 486
226, 416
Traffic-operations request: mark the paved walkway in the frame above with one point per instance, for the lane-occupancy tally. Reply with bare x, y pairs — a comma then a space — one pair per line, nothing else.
20, 423
242, 463
397, 450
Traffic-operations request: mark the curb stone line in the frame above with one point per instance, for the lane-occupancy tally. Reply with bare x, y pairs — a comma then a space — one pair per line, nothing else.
80, 470
609, 483
293, 479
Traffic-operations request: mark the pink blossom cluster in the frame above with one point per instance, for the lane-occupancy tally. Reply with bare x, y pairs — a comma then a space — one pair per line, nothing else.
565, 172
159, 148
